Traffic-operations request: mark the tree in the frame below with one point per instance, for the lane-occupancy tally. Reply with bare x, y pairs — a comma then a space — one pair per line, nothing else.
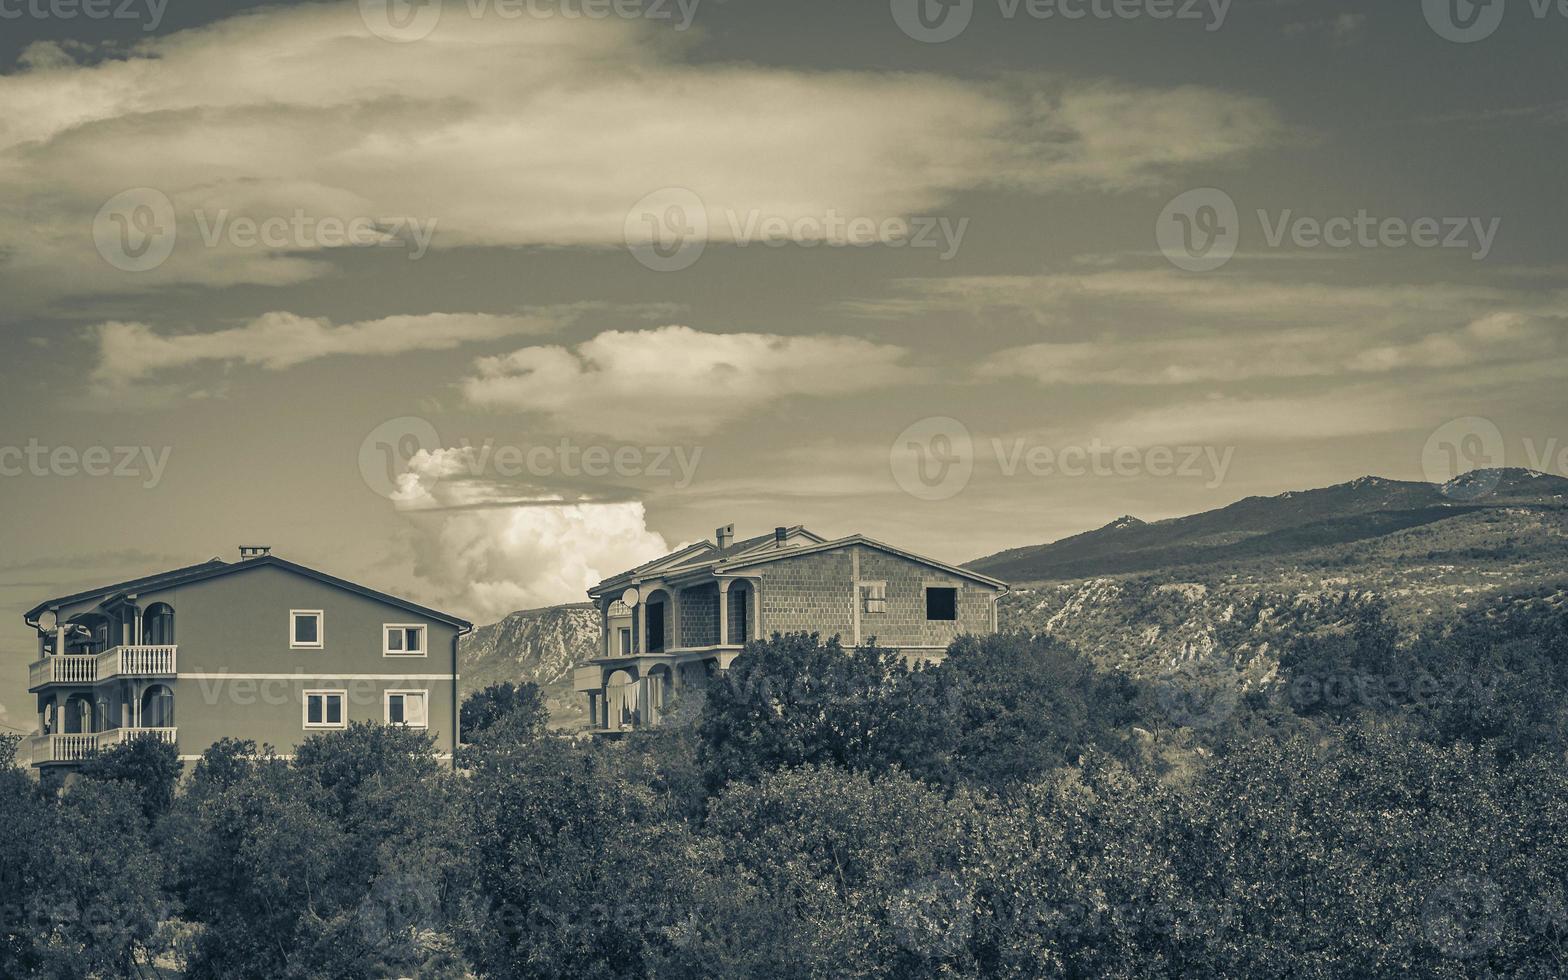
517, 708
149, 764
1028, 705
794, 701
340, 864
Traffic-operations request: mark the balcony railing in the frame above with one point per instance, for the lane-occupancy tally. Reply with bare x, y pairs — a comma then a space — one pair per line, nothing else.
91, 668
79, 747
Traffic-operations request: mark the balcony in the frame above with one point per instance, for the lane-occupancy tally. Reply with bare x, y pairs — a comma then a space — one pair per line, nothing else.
80, 747
94, 668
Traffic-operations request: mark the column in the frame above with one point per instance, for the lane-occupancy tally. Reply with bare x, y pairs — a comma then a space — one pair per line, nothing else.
724, 611
593, 709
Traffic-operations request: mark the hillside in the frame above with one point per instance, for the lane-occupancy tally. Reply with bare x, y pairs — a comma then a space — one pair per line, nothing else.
1424, 578
539, 645
1270, 527
1233, 584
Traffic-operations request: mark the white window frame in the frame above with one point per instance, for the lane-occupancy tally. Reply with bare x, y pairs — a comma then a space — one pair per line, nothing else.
304, 710
386, 707
321, 629
424, 634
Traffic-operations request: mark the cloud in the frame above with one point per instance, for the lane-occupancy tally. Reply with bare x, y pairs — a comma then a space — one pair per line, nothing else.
676, 380
129, 352
1222, 421
1343, 28
524, 131
477, 554
1157, 327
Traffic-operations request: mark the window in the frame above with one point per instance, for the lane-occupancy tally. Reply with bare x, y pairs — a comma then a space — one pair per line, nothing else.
626, 640
654, 627
941, 604
305, 629
325, 709
403, 640
408, 708
873, 597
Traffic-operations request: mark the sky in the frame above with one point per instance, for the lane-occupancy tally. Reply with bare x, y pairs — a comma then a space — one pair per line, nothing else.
480, 301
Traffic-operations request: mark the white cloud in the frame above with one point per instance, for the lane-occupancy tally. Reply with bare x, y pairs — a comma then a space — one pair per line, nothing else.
652, 383
129, 352
488, 558
526, 131
1162, 328
1223, 421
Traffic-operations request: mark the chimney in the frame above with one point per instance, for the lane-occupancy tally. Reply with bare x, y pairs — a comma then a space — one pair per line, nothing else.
725, 536
779, 534
254, 551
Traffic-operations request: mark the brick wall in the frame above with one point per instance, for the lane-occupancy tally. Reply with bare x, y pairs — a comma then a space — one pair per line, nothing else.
700, 616
817, 593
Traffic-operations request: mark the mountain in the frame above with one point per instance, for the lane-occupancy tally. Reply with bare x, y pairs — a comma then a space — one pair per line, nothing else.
539, 645
1497, 561
1261, 527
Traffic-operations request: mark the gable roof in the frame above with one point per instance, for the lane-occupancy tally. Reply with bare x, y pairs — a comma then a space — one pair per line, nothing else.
695, 556
217, 567
745, 561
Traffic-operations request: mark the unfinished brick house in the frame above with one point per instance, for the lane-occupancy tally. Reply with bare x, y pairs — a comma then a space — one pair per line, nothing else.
670, 623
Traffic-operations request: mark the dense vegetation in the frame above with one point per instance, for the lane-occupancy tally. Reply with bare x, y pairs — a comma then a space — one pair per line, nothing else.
1380, 808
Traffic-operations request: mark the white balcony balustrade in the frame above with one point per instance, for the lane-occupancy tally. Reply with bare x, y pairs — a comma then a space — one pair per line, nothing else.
90, 668
79, 747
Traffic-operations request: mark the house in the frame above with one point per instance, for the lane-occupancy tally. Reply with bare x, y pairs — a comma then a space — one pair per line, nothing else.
670, 623
260, 649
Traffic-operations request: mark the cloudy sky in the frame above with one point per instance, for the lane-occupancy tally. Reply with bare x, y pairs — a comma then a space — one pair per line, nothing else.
480, 301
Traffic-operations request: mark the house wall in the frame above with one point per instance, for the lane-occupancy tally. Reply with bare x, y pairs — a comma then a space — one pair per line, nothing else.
239, 677
700, 616
817, 593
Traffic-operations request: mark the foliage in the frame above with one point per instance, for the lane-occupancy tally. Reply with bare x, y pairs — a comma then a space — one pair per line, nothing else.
149, 764
515, 711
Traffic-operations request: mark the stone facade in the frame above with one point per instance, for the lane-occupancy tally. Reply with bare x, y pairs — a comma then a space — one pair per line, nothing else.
700, 616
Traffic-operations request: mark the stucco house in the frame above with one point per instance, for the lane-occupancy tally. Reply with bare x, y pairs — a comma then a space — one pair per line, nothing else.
261, 649
671, 622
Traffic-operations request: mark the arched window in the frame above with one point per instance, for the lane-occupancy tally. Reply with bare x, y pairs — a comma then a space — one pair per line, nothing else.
158, 707
158, 625
78, 715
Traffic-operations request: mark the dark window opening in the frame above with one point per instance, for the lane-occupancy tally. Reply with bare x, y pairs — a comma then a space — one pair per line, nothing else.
942, 604
655, 627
